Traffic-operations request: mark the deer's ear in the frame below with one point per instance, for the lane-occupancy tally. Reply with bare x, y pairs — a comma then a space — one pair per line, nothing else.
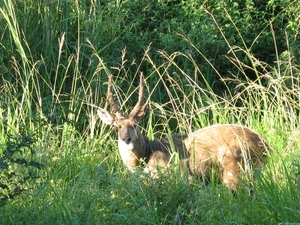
105, 116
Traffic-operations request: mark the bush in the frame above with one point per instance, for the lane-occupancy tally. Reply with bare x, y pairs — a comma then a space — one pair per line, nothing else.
18, 167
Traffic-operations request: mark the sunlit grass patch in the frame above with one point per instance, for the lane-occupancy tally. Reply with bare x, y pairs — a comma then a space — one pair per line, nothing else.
82, 179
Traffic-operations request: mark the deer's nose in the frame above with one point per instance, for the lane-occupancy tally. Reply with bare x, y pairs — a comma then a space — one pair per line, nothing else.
127, 140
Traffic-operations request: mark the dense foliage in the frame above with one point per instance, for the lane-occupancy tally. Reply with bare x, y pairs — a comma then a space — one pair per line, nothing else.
205, 62
18, 168
56, 38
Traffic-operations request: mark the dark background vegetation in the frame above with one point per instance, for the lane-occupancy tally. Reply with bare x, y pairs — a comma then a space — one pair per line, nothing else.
214, 28
263, 27
197, 56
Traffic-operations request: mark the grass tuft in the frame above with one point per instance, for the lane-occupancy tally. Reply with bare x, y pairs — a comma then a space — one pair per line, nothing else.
83, 181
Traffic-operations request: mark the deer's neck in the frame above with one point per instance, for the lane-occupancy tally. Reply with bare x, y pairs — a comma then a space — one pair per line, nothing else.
150, 152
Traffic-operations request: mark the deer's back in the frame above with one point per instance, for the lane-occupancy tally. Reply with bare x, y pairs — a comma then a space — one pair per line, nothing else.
219, 139
211, 144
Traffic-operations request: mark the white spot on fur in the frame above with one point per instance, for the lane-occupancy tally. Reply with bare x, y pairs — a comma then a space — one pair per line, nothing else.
146, 170
221, 153
123, 147
126, 153
230, 174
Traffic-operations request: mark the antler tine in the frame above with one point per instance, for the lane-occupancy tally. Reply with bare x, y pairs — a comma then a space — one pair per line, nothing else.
115, 108
139, 105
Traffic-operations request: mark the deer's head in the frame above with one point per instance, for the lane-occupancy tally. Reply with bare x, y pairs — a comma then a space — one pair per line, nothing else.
132, 144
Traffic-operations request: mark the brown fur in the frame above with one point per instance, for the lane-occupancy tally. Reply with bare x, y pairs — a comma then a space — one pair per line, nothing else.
232, 148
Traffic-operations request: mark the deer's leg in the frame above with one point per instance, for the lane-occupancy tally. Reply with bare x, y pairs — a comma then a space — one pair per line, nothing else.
201, 168
231, 170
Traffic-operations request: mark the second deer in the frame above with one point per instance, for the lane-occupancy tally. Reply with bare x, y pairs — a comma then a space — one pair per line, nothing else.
232, 148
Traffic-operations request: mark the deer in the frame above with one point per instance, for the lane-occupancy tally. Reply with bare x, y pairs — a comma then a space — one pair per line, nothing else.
231, 148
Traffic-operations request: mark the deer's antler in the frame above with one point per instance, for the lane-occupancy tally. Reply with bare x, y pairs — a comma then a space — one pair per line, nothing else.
110, 98
139, 109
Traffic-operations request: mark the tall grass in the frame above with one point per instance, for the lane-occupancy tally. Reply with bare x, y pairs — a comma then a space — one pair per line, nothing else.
83, 181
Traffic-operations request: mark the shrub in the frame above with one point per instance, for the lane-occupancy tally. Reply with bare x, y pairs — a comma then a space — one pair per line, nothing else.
18, 168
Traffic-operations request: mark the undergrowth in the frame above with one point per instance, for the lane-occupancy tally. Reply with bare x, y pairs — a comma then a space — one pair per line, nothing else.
67, 170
